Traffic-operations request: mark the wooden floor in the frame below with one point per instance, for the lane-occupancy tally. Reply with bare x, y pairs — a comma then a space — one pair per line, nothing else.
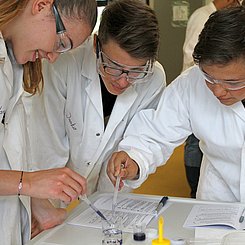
169, 179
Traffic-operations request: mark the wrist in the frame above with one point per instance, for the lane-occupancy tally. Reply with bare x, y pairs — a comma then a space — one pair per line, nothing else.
20, 185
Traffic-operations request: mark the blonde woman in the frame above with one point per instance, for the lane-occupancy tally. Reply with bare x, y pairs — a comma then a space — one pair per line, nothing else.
29, 31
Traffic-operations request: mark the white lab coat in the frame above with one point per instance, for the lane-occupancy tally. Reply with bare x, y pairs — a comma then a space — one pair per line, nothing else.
14, 210
71, 115
188, 106
194, 27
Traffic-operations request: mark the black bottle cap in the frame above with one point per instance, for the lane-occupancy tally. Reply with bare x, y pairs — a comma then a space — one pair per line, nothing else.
139, 236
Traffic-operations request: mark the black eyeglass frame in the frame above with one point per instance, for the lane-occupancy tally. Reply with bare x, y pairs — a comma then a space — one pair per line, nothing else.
131, 80
64, 43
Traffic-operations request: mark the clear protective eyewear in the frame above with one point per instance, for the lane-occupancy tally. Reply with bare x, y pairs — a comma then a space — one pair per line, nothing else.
229, 85
63, 42
134, 74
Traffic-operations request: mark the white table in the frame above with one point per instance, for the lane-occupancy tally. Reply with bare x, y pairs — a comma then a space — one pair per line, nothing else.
174, 218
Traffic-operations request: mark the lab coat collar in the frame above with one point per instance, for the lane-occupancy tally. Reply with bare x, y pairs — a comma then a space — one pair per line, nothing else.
239, 109
88, 66
5, 62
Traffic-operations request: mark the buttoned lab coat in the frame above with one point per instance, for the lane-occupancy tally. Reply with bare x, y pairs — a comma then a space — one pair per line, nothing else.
187, 105
71, 115
14, 210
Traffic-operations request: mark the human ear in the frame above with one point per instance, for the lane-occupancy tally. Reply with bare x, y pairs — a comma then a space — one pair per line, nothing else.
40, 5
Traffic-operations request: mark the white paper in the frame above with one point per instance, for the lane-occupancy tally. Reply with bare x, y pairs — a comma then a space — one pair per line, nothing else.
133, 210
211, 233
218, 215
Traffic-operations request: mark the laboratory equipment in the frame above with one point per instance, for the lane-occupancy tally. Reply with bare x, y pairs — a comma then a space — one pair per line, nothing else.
160, 240
112, 231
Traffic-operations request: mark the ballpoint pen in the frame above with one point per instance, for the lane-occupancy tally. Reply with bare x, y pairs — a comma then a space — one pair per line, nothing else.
242, 216
85, 199
161, 204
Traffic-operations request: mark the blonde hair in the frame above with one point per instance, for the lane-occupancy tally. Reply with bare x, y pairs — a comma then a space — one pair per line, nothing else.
32, 77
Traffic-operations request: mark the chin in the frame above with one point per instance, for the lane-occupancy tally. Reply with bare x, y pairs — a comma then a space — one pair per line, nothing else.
21, 61
227, 103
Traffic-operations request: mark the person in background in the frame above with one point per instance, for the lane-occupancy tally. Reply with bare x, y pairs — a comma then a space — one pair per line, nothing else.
192, 152
207, 100
29, 31
89, 101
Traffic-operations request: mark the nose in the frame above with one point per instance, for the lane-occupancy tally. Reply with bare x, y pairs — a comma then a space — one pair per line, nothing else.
52, 57
218, 90
123, 81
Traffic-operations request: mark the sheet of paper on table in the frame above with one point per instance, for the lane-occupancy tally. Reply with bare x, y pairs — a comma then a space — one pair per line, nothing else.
221, 216
132, 209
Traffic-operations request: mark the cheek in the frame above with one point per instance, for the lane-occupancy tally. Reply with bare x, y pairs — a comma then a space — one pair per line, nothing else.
239, 94
20, 54
209, 85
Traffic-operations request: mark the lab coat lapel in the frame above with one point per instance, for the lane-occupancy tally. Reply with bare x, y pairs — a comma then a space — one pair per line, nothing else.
239, 109
93, 91
6, 66
16, 95
121, 107
11, 146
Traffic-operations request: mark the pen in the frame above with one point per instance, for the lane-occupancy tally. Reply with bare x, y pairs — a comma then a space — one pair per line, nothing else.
242, 216
85, 199
161, 204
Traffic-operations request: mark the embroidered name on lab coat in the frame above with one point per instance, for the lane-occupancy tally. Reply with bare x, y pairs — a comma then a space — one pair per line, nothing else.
72, 124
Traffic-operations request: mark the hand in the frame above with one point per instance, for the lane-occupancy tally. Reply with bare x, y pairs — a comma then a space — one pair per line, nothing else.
121, 164
60, 183
45, 216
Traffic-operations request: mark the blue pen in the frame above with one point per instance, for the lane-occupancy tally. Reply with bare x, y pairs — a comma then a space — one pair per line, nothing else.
161, 204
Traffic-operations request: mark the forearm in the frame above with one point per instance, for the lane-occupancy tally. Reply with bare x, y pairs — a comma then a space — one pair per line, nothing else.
9, 182
60, 183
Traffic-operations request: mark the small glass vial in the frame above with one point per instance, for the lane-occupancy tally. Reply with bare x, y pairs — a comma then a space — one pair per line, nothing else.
112, 231
139, 232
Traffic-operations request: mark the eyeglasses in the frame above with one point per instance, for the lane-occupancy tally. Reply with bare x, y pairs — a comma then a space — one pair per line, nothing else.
63, 42
229, 85
134, 74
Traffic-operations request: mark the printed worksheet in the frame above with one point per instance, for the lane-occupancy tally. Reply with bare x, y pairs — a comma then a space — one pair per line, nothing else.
132, 210
216, 215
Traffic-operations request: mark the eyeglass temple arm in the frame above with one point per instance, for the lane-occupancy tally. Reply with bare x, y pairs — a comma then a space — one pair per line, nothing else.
60, 28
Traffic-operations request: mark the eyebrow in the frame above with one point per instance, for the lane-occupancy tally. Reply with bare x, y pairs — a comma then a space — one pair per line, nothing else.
122, 65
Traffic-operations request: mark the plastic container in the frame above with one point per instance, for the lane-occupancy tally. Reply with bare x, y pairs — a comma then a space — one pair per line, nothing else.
234, 238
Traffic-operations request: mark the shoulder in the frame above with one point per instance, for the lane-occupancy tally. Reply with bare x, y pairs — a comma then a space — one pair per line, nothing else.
202, 14
189, 84
159, 76
72, 61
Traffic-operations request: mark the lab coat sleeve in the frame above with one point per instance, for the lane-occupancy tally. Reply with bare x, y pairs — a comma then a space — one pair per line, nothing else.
153, 134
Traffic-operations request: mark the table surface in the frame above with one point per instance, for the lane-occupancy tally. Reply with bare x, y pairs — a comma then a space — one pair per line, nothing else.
174, 218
